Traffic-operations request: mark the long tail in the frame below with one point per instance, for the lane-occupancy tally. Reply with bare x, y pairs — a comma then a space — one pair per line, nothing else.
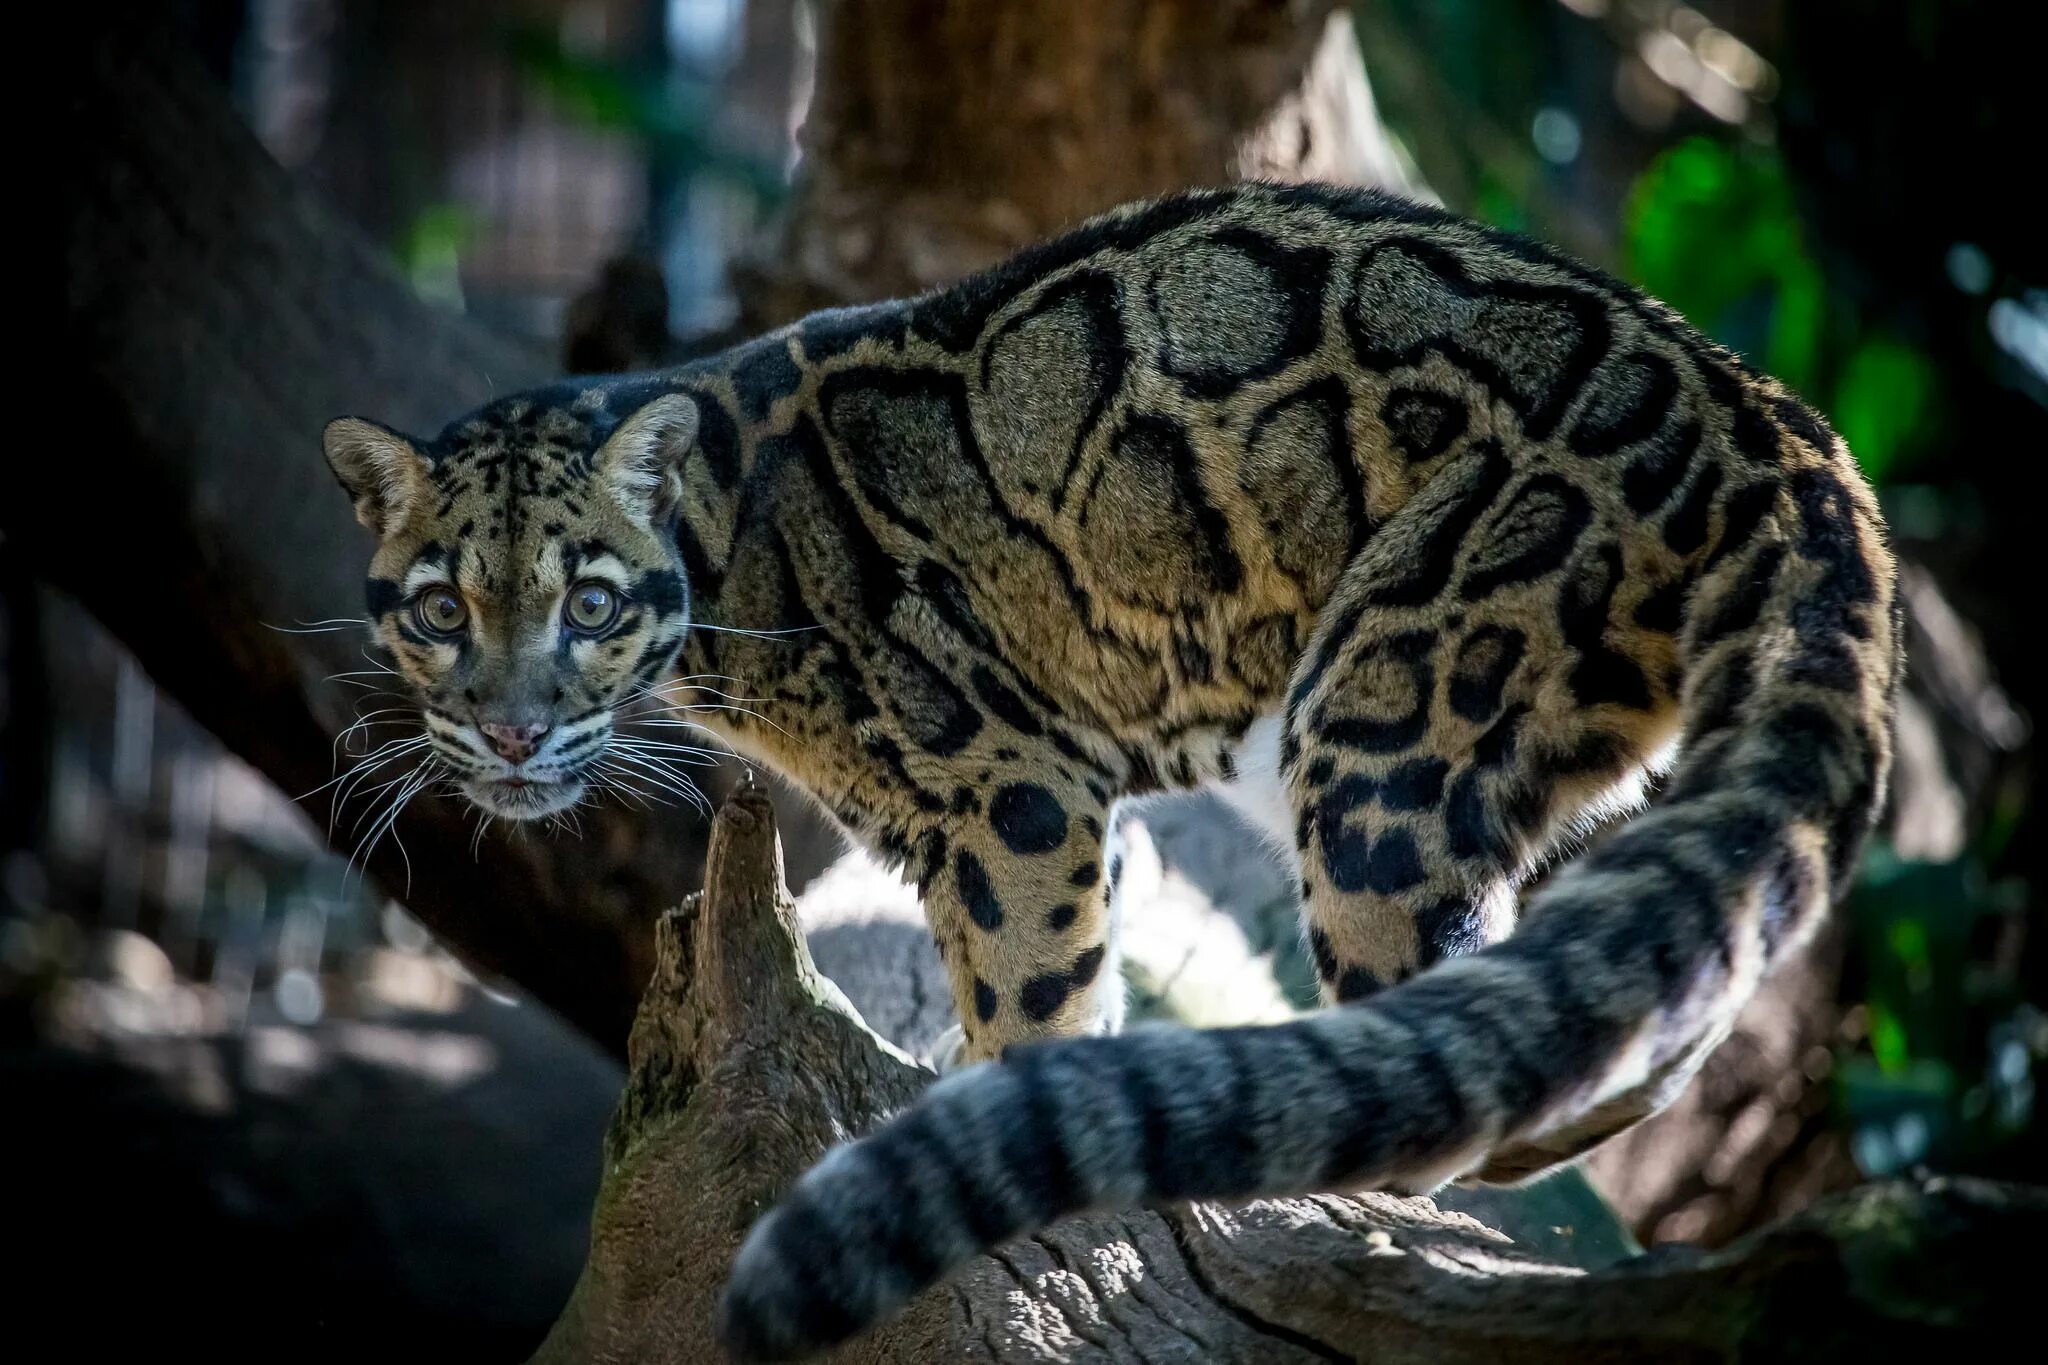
1632, 961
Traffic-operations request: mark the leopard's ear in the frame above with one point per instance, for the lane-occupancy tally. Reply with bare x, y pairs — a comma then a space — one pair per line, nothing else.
380, 470
643, 460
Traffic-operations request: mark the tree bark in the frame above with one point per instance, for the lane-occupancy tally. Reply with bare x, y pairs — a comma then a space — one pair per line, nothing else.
746, 1064
943, 137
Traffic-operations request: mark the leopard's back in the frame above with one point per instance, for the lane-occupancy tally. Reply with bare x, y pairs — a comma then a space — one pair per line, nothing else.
1172, 430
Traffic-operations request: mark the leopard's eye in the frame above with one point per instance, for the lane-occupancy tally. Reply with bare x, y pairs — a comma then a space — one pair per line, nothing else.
592, 606
439, 611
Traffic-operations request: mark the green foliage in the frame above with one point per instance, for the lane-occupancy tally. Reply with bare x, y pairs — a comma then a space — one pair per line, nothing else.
432, 249
1714, 230
1883, 400
676, 120
1945, 1077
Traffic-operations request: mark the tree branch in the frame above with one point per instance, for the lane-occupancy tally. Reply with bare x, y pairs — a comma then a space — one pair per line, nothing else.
747, 1064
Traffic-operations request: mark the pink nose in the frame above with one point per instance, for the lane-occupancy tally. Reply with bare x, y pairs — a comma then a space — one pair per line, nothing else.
514, 743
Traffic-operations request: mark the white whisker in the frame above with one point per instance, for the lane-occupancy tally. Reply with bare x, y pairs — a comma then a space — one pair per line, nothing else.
756, 634
415, 780
326, 627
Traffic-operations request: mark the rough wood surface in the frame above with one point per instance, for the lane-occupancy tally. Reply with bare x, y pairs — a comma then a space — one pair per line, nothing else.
942, 137
747, 1064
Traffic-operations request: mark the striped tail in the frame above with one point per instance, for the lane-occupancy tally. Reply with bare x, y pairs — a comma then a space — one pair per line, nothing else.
1626, 969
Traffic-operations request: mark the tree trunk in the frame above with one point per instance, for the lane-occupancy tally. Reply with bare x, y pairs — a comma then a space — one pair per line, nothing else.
942, 137
746, 1064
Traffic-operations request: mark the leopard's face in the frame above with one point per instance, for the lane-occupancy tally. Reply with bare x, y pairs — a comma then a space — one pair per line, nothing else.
526, 582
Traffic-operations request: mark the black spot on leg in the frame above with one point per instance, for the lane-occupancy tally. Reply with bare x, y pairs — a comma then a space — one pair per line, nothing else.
1595, 751
1416, 785
1043, 995
1345, 851
1028, 818
1060, 916
1741, 517
1084, 875
1398, 664
976, 892
1394, 865
1664, 609
1739, 608
1356, 984
1487, 658
1468, 824
1602, 674
1686, 529
984, 1000
1319, 949
1528, 538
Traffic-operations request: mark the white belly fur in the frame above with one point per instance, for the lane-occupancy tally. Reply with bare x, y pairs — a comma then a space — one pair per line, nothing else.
1257, 794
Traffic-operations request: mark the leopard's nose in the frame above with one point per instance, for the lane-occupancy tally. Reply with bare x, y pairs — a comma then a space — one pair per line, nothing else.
514, 743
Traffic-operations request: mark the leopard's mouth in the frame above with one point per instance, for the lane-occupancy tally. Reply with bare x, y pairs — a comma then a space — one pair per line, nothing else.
524, 797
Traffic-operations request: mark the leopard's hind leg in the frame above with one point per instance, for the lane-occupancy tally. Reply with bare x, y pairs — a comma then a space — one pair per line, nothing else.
1479, 680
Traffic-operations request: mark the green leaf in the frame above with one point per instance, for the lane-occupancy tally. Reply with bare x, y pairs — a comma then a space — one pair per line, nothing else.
431, 252
1888, 1040
1882, 402
1712, 230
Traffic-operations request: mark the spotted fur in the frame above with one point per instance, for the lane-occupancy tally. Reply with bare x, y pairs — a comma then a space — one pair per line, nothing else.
1431, 538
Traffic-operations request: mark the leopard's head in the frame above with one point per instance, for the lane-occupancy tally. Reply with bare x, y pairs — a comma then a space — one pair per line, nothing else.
526, 580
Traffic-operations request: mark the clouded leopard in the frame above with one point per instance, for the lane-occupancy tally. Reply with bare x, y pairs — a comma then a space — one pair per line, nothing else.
1420, 540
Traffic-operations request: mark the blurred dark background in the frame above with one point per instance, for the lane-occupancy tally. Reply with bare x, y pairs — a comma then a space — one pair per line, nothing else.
259, 1100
